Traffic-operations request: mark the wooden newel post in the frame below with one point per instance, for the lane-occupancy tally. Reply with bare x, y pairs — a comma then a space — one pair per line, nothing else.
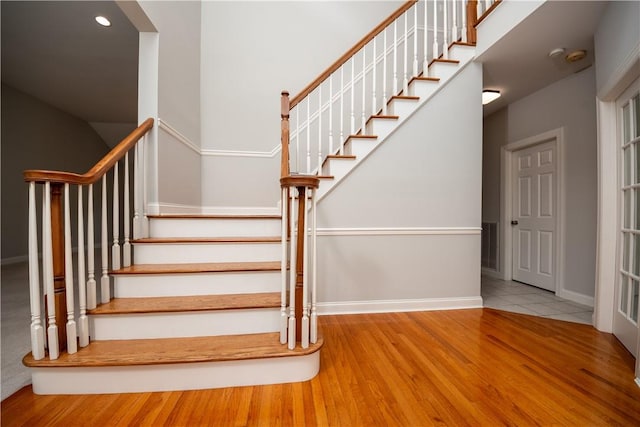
57, 240
284, 127
472, 20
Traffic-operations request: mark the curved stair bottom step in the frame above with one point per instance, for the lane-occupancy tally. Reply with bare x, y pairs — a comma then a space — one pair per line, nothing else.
175, 377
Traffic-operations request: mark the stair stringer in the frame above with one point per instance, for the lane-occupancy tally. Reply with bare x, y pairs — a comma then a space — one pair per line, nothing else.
327, 186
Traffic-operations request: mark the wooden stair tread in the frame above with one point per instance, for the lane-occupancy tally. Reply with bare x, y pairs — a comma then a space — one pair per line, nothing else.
268, 239
380, 116
338, 156
459, 43
326, 177
206, 216
175, 350
444, 61
362, 137
426, 79
188, 303
202, 267
410, 98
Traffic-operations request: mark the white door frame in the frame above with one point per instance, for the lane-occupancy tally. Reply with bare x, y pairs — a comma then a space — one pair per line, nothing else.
506, 199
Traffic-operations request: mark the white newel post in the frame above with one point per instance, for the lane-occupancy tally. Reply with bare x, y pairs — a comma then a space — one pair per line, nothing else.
283, 266
292, 268
37, 331
83, 321
47, 255
314, 271
72, 333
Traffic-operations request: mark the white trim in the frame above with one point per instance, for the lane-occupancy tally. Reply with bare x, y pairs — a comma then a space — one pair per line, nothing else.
494, 274
397, 231
506, 193
398, 306
173, 208
167, 128
240, 210
622, 76
237, 153
575, 297
607, 221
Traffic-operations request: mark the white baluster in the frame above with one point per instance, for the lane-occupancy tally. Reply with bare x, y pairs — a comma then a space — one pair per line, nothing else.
115, 249
330, 120
425, 34
283, 267
72, 333
435, 30
83, 321
314, 271
463, 30
479, 8
298, 138
445, 31
487, 5
384, 74
47, 254
363, 119
91, 253
136, 194
145, 191
37, 331
319, 128
405, 80
374, 101
353, 94
415, 40
341, 110
454, 22
104, 279
304, 335
308, 134
292, 268
126, 246
395, 58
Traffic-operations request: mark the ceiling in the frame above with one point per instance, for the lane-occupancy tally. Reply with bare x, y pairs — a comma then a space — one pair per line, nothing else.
519, 64
56, 52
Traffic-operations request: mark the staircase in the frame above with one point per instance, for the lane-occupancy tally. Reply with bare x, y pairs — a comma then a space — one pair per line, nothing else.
179, 322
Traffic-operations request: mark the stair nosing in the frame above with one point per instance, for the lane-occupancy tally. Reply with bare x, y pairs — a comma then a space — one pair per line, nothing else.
144, 352
197, 268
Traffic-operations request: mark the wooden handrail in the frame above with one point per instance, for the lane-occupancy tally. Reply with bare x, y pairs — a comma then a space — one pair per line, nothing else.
344, 58
100, 168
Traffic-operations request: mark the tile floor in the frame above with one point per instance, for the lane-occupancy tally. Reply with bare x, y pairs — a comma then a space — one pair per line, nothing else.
520, 298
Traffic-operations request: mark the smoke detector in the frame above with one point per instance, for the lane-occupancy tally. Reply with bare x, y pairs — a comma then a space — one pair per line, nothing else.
556, 52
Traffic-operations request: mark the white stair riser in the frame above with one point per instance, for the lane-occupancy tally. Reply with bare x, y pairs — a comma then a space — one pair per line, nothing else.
210, 227
164, 285
153, 253
184, 324
423, 89
462, 53
442, 70
180, 376
360, 147
338, 167
402, 107
381, 127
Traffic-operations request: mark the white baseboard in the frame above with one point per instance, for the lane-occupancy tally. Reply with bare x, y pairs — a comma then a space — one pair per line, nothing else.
397, 306
240, 210
494, 274
575, 297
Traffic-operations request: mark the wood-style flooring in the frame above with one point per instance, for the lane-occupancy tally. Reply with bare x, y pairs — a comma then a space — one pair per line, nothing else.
479, 367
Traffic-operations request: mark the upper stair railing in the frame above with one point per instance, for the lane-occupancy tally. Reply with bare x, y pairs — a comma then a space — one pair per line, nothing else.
317, 122
66, 328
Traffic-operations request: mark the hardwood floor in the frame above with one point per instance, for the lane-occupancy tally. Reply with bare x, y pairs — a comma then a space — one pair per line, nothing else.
464, 367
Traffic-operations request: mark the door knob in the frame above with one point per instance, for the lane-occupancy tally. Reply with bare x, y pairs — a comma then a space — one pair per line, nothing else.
514, 222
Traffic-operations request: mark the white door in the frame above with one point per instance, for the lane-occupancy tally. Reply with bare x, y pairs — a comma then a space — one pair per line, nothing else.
625, 319
534, 213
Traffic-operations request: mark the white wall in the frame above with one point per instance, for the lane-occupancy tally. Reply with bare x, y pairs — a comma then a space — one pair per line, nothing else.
568, 103
251, 51
178, 103
494, 136
36, 135
405, 224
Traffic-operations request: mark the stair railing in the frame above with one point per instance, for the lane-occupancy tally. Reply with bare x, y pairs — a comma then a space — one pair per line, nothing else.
318, 121
65, 328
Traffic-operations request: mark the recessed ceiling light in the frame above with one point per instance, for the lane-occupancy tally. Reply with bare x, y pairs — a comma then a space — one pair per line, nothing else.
103, 21
489, 96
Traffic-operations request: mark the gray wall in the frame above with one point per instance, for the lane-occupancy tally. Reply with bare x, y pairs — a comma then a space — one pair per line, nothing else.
251, 51
569, 103
425, 178
36, 135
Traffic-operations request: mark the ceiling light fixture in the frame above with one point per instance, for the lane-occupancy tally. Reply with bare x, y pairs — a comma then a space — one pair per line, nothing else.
489, 96
576, 55
103, 21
